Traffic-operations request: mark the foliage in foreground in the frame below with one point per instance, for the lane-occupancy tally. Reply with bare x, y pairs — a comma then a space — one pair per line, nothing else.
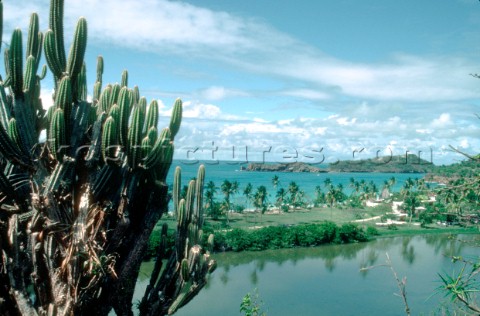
77, 211
251, 305
463, 287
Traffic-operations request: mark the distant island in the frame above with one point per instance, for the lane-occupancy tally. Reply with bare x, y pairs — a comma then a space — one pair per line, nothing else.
282, 167
385, 164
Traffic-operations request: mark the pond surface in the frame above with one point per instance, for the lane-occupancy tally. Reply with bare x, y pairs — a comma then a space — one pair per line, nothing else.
328, 280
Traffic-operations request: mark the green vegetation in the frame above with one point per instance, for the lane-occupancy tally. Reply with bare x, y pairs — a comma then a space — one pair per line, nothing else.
276, 237
387, 164
77, 211
251, 305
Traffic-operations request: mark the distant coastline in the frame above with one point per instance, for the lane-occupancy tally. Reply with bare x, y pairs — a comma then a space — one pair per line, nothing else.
282, 167
385, 164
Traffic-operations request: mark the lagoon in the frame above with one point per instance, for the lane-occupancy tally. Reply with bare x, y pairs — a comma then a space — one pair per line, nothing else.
327, 280
218, 172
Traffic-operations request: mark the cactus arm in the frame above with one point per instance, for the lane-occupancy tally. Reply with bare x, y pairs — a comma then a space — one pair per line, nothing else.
30, 77
124, 82
97, 90
99, 68
136, 94
124, 102
115, 113
142, 105
63, 100
53, 61
56, 25
103, 101
81, 84
152, 115
26, 124
4, 107
109, 140
114, 95
158, 149
176, 118
15, 63
135, 137
13, 133
8, 149
198, 212
34, 40
177, 184
43, 73
57, 134
77, 50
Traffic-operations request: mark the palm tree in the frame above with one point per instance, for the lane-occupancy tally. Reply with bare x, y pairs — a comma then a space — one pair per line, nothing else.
210, 191
410, 197
235, 187
260, 198
293, 190
339, 195
248, 193
385, 189
275, 181
392, 181
281, 193
228, 189
331, 196
319, 196
374, 189
327, 183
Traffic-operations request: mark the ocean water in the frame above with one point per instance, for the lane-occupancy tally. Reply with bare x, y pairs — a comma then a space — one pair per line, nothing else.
218, 172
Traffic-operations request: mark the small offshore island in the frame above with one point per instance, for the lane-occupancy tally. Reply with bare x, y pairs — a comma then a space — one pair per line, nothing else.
386, 164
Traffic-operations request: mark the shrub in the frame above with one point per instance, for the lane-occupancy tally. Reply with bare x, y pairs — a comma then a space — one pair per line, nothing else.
238, 240
392, 227
350, 233
329, 231
372, 231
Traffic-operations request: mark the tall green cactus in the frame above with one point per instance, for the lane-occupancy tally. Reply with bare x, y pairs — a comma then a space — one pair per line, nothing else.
15, 62
176, 118
152, 115
192, 261
77, 51
79, 208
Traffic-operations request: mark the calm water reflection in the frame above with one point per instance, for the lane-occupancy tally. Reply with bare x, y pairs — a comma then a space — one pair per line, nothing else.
327, 280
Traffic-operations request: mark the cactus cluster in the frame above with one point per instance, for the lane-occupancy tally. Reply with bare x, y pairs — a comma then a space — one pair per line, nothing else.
76, 212
191, 261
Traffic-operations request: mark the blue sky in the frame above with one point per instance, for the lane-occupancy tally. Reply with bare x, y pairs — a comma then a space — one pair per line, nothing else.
293, 80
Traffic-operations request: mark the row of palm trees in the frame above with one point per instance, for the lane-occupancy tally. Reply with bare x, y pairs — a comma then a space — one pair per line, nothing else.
287, 198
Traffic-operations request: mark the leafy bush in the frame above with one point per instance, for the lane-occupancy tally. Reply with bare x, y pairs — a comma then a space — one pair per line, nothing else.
238, 240
372, 231
350, 233
275, 237
392, 227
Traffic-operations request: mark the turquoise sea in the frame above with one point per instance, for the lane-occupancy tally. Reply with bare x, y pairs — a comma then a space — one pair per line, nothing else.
218, 172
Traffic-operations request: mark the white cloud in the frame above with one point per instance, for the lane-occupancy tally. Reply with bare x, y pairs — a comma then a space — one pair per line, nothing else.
216, 93
307, 94
345, 121
442, 121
